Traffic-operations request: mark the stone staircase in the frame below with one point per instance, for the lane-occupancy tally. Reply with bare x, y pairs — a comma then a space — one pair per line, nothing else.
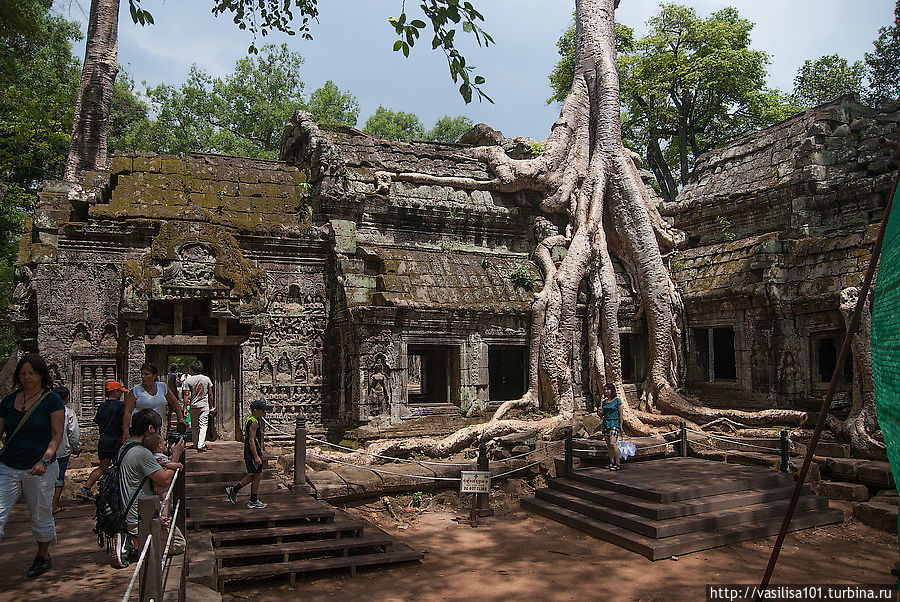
295, 534
671, 506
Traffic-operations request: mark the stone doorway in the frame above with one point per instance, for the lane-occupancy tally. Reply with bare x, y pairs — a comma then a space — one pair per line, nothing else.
507, 371
433, 374
221, 365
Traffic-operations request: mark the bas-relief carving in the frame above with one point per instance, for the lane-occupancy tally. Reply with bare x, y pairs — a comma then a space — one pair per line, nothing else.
379, 393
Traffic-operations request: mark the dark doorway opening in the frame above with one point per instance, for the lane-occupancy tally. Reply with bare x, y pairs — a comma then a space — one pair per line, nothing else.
712, 355
507, 371
824, 349
433, 374
724, 366
633, 350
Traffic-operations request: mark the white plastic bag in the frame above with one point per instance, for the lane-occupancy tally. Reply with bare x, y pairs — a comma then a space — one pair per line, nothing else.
626, 448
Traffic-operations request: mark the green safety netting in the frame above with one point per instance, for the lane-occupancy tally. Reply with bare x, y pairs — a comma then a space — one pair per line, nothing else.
886, 338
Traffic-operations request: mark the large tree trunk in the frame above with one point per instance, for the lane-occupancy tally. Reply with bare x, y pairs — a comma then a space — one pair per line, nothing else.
587, 174
91, 119
860, 429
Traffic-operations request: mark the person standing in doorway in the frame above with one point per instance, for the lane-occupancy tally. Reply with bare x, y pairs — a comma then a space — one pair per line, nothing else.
199, 388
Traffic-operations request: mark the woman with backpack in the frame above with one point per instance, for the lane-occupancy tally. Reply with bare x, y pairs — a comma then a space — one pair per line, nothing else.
32, 419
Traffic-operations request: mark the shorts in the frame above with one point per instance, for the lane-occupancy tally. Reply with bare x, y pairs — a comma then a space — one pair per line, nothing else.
107, 448
611, 431
253, 467
63, 464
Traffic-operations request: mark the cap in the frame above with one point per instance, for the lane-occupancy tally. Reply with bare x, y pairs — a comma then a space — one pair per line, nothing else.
259, 404
115, 385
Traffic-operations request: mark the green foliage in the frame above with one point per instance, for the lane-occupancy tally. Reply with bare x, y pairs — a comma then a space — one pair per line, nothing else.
690, 85
825, 78
449, 129
262, 17
883, 64
521, 277
242, 113
725, 228
418, 498
394, 125
537, 148
39, 80
127, 113
330, 106
444, 16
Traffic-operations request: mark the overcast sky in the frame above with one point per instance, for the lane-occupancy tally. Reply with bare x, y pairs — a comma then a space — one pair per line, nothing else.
352, 46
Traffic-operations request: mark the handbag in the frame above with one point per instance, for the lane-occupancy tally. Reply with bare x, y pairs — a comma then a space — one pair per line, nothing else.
24, 420
626, 448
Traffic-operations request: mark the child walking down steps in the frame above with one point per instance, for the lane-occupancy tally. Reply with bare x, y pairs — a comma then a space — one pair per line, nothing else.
253, 448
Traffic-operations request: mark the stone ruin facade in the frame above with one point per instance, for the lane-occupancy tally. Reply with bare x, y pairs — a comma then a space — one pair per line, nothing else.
365, 283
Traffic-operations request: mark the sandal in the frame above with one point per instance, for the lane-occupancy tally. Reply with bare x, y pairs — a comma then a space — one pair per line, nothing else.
60, 509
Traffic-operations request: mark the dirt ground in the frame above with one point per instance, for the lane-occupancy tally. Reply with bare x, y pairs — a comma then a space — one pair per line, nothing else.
515, 555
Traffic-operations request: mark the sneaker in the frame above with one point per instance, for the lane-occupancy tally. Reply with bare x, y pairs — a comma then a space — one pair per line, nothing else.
40, 566
85, 494
256, 505
232, 494
202, 449
120, 551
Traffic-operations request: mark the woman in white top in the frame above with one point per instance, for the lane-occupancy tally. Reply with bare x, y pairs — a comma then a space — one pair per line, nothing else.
151, 393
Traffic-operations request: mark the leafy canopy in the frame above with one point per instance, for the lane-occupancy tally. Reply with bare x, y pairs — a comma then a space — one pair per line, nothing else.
691, 84
261, 17
825, 78
39, 80
242, 113
394, 125
883, 63
449, 129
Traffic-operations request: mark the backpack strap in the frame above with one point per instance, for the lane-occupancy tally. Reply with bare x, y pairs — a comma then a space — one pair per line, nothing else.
125, 449
25, 418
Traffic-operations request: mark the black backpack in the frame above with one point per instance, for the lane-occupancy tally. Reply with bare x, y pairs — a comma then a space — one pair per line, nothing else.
111, 511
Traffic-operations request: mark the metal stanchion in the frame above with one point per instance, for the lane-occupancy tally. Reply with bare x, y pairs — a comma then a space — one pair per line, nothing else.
785, 452
568, 465
684, 440
299, 485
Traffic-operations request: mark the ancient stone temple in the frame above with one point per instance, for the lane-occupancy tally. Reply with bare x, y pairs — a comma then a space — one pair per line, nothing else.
381, 283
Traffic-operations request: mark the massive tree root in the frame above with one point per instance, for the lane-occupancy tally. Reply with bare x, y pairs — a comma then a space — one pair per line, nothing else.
586, 174
860, 429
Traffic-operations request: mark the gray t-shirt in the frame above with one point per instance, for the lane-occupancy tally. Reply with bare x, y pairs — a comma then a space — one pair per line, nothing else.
137, 463
199, 386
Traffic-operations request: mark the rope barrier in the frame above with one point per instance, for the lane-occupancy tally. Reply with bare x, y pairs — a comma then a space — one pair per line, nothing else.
735, 441
509, 472
165, 555
137, 568
396, 474
171, 488
374, 455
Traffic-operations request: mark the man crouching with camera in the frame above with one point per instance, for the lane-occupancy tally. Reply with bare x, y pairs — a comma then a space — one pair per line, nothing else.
140, 471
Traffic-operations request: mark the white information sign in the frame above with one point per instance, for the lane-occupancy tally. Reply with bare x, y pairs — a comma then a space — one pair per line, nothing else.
475, 481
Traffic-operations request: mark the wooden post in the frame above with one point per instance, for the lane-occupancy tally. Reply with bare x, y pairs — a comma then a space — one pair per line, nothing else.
569, 462
785, 452
151, 571
300, 485
684, 440
178, 494
483, 500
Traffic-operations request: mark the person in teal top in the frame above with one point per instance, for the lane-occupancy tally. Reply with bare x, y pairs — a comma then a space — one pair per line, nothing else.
611, 409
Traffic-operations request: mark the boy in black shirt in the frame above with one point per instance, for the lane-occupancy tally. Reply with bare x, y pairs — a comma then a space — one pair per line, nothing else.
253, 449
109, 419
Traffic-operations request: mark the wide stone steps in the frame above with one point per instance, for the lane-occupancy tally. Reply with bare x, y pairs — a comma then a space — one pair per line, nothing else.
294, 534
672, 506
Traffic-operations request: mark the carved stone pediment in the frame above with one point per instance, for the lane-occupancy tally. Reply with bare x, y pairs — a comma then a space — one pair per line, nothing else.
194, 261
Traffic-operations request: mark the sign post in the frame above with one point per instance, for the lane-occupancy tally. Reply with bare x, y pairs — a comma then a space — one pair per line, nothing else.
479, 483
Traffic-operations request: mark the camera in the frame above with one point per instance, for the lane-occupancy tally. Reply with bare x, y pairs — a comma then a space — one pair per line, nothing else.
173, 438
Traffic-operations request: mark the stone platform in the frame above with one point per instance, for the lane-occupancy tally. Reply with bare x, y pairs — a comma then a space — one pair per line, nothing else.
672, 506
